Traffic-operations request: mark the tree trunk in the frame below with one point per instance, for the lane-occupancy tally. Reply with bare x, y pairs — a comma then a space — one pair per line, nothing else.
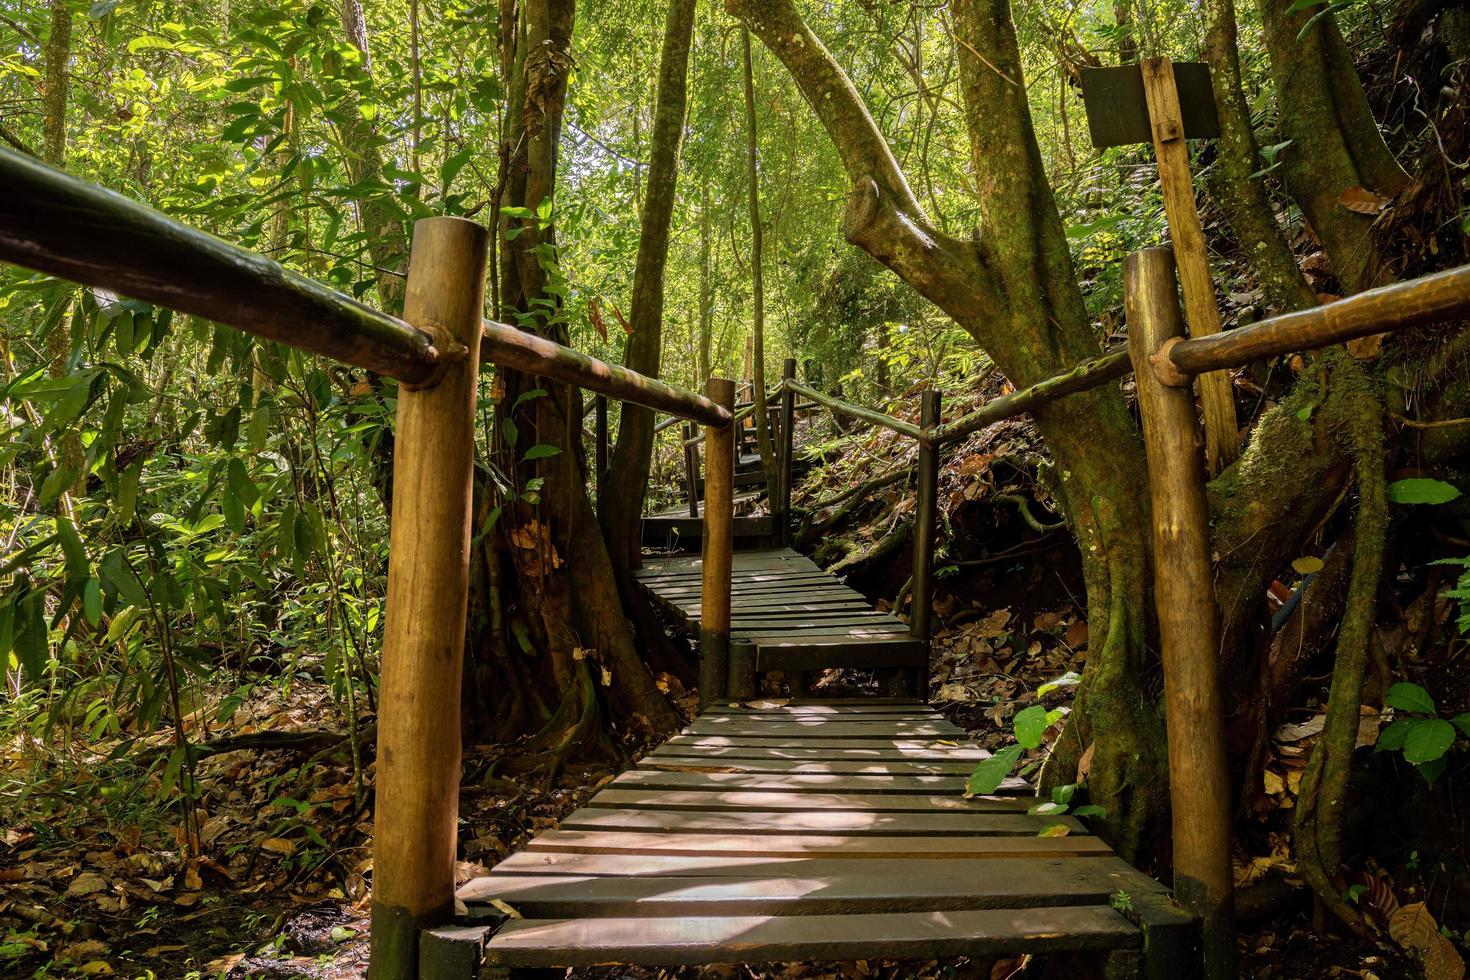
1240, 196
550, 588
1015, 292
1336, 148
757, 374
627, 474
705, 341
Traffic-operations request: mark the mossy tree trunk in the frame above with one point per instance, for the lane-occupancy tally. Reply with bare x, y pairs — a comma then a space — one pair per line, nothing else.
1336, 148
1014, 290
551, 647
627, 476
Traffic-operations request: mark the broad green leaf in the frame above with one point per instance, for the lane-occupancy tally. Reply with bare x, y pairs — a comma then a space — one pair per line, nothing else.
32, 639
1421, 490
1409, 697
92, 601
127, 492
77, 567
1391, 739
988, 775
1090, 810
1030, 726
1462, 722
542, 450
1428, 739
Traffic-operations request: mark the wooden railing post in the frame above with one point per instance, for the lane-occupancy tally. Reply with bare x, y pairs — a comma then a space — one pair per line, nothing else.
719, 543
1189, 620
921, 594
417, 789
691, 467
602, 450
788, 426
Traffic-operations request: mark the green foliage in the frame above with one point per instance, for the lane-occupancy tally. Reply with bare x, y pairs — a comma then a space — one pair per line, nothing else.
1420, 490
1419, 733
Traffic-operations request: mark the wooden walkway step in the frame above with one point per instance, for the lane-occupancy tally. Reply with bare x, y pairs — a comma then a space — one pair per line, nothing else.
787, 613
816, 831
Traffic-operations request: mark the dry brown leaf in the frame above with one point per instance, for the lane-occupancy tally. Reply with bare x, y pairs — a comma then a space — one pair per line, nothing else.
86, 883
1413, 927
1362, 200
279, 845
1084, 764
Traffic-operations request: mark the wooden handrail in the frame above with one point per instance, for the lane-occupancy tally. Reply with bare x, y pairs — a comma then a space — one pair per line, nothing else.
55, 223
512, 347
1089, 374
62, 225
856, 411
1415, 303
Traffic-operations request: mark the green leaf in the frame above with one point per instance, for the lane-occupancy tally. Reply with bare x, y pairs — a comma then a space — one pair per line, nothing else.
1070, 679
1432, 770
1391, 739
127, 492
527, 396
1462, 722
988, 775
1062, 795
542, 450
1428, 739
77, 567
1030, 726
1090, 810
1421, 490
92, 601
32, 639
1048, 809
1409, 697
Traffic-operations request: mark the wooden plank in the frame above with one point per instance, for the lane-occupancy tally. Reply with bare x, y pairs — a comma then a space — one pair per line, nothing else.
854, 848
755, 939
826, 729
696, 763
836, 708
784, 604
1015, 884
716, 742
752, 753
799, 782
980, 871
792, 822
737, 800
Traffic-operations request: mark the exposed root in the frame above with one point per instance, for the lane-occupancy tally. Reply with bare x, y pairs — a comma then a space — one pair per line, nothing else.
1323, 799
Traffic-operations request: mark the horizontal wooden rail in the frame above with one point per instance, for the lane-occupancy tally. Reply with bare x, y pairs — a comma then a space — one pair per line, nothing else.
527, 352
55, 223
856, 411
1089, 374
64, 226
1415, 303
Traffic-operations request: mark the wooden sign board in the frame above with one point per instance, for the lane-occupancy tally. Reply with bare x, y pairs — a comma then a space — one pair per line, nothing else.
1117, 109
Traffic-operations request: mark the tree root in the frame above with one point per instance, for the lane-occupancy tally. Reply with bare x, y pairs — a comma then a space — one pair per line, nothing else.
1320, 808
890, 542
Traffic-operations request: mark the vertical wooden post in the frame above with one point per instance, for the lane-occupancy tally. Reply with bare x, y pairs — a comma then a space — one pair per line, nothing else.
691, 467
921, 594
788, 426
1189, 621
1222, 439
417, 788
718, 553
602, 450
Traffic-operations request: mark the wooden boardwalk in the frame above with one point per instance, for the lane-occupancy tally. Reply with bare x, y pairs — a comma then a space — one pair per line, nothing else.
786, 613
818, 830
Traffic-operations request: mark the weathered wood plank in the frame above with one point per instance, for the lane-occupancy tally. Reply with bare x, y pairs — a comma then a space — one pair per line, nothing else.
801, 782
847, 823
992, 872
971, 756
951, 748
830, 729
809, 845
1017, 884
755, 939
797, 767
737, 800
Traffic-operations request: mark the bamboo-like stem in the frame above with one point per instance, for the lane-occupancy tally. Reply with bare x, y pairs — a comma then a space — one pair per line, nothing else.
1189, 620
718, 552
428, 581
855, 411
602, 449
